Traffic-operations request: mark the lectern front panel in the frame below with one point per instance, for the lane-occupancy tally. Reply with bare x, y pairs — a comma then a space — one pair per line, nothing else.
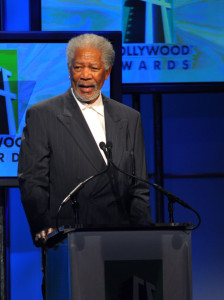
124, 265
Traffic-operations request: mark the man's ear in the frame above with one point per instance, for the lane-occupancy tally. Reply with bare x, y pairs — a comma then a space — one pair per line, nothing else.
107, 73
69, 71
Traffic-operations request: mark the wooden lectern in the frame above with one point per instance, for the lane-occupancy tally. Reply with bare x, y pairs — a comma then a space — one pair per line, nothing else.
141, 263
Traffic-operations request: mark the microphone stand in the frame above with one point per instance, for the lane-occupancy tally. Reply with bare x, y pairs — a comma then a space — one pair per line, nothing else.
75, 207
107, 149
73, 197
171, 197
170, 209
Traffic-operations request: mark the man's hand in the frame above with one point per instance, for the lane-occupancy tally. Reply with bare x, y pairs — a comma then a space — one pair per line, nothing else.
41, 237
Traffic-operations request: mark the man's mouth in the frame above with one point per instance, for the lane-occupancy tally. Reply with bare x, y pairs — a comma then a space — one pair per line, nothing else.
86, 87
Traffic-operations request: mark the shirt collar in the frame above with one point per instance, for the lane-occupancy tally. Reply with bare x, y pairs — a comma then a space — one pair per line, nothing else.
97, 105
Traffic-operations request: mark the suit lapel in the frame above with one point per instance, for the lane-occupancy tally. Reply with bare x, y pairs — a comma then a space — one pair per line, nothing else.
73, 120
116, 129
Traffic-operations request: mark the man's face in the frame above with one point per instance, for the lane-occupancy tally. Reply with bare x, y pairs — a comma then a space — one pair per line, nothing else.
88, 74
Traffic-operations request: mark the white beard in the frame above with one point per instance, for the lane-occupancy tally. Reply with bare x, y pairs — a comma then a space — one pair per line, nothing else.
85, 99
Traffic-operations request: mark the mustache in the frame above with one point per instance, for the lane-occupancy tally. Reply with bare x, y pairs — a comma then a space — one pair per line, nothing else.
85, 84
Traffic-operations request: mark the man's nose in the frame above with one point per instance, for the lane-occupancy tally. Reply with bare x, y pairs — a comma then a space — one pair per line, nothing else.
86, 74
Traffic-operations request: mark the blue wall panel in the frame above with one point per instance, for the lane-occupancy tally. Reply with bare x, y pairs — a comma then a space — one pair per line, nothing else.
194, 143
193, 133
25, 258
16, 15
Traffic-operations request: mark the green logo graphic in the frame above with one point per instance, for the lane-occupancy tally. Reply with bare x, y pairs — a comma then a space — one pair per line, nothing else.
8, 92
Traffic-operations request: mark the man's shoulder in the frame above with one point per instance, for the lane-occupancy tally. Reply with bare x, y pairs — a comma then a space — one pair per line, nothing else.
119, 107
51, 103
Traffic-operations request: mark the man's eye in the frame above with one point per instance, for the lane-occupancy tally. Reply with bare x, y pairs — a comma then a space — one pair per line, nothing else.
77, 67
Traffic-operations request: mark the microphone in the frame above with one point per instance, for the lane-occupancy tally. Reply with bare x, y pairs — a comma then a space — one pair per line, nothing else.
103, 147
107, 148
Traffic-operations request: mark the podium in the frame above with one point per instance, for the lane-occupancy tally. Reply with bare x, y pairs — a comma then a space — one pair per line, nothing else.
151, 263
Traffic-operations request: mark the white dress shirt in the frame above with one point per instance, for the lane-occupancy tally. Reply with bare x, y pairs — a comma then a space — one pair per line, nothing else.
94, 116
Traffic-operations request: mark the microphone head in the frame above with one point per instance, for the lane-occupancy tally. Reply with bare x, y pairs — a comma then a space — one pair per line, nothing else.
109, 145
102, 145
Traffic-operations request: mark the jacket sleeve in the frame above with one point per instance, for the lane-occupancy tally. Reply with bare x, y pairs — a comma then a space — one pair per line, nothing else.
33, 170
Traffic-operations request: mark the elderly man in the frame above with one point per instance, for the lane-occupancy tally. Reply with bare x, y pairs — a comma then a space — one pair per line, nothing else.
60, 149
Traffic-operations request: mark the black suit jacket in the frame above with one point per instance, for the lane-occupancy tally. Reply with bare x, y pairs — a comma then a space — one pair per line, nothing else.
58, 151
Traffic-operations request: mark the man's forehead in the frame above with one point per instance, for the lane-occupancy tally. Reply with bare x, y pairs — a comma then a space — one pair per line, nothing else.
77, 62
87, 55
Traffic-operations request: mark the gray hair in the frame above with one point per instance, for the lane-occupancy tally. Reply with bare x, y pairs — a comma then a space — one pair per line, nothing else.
94, 41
